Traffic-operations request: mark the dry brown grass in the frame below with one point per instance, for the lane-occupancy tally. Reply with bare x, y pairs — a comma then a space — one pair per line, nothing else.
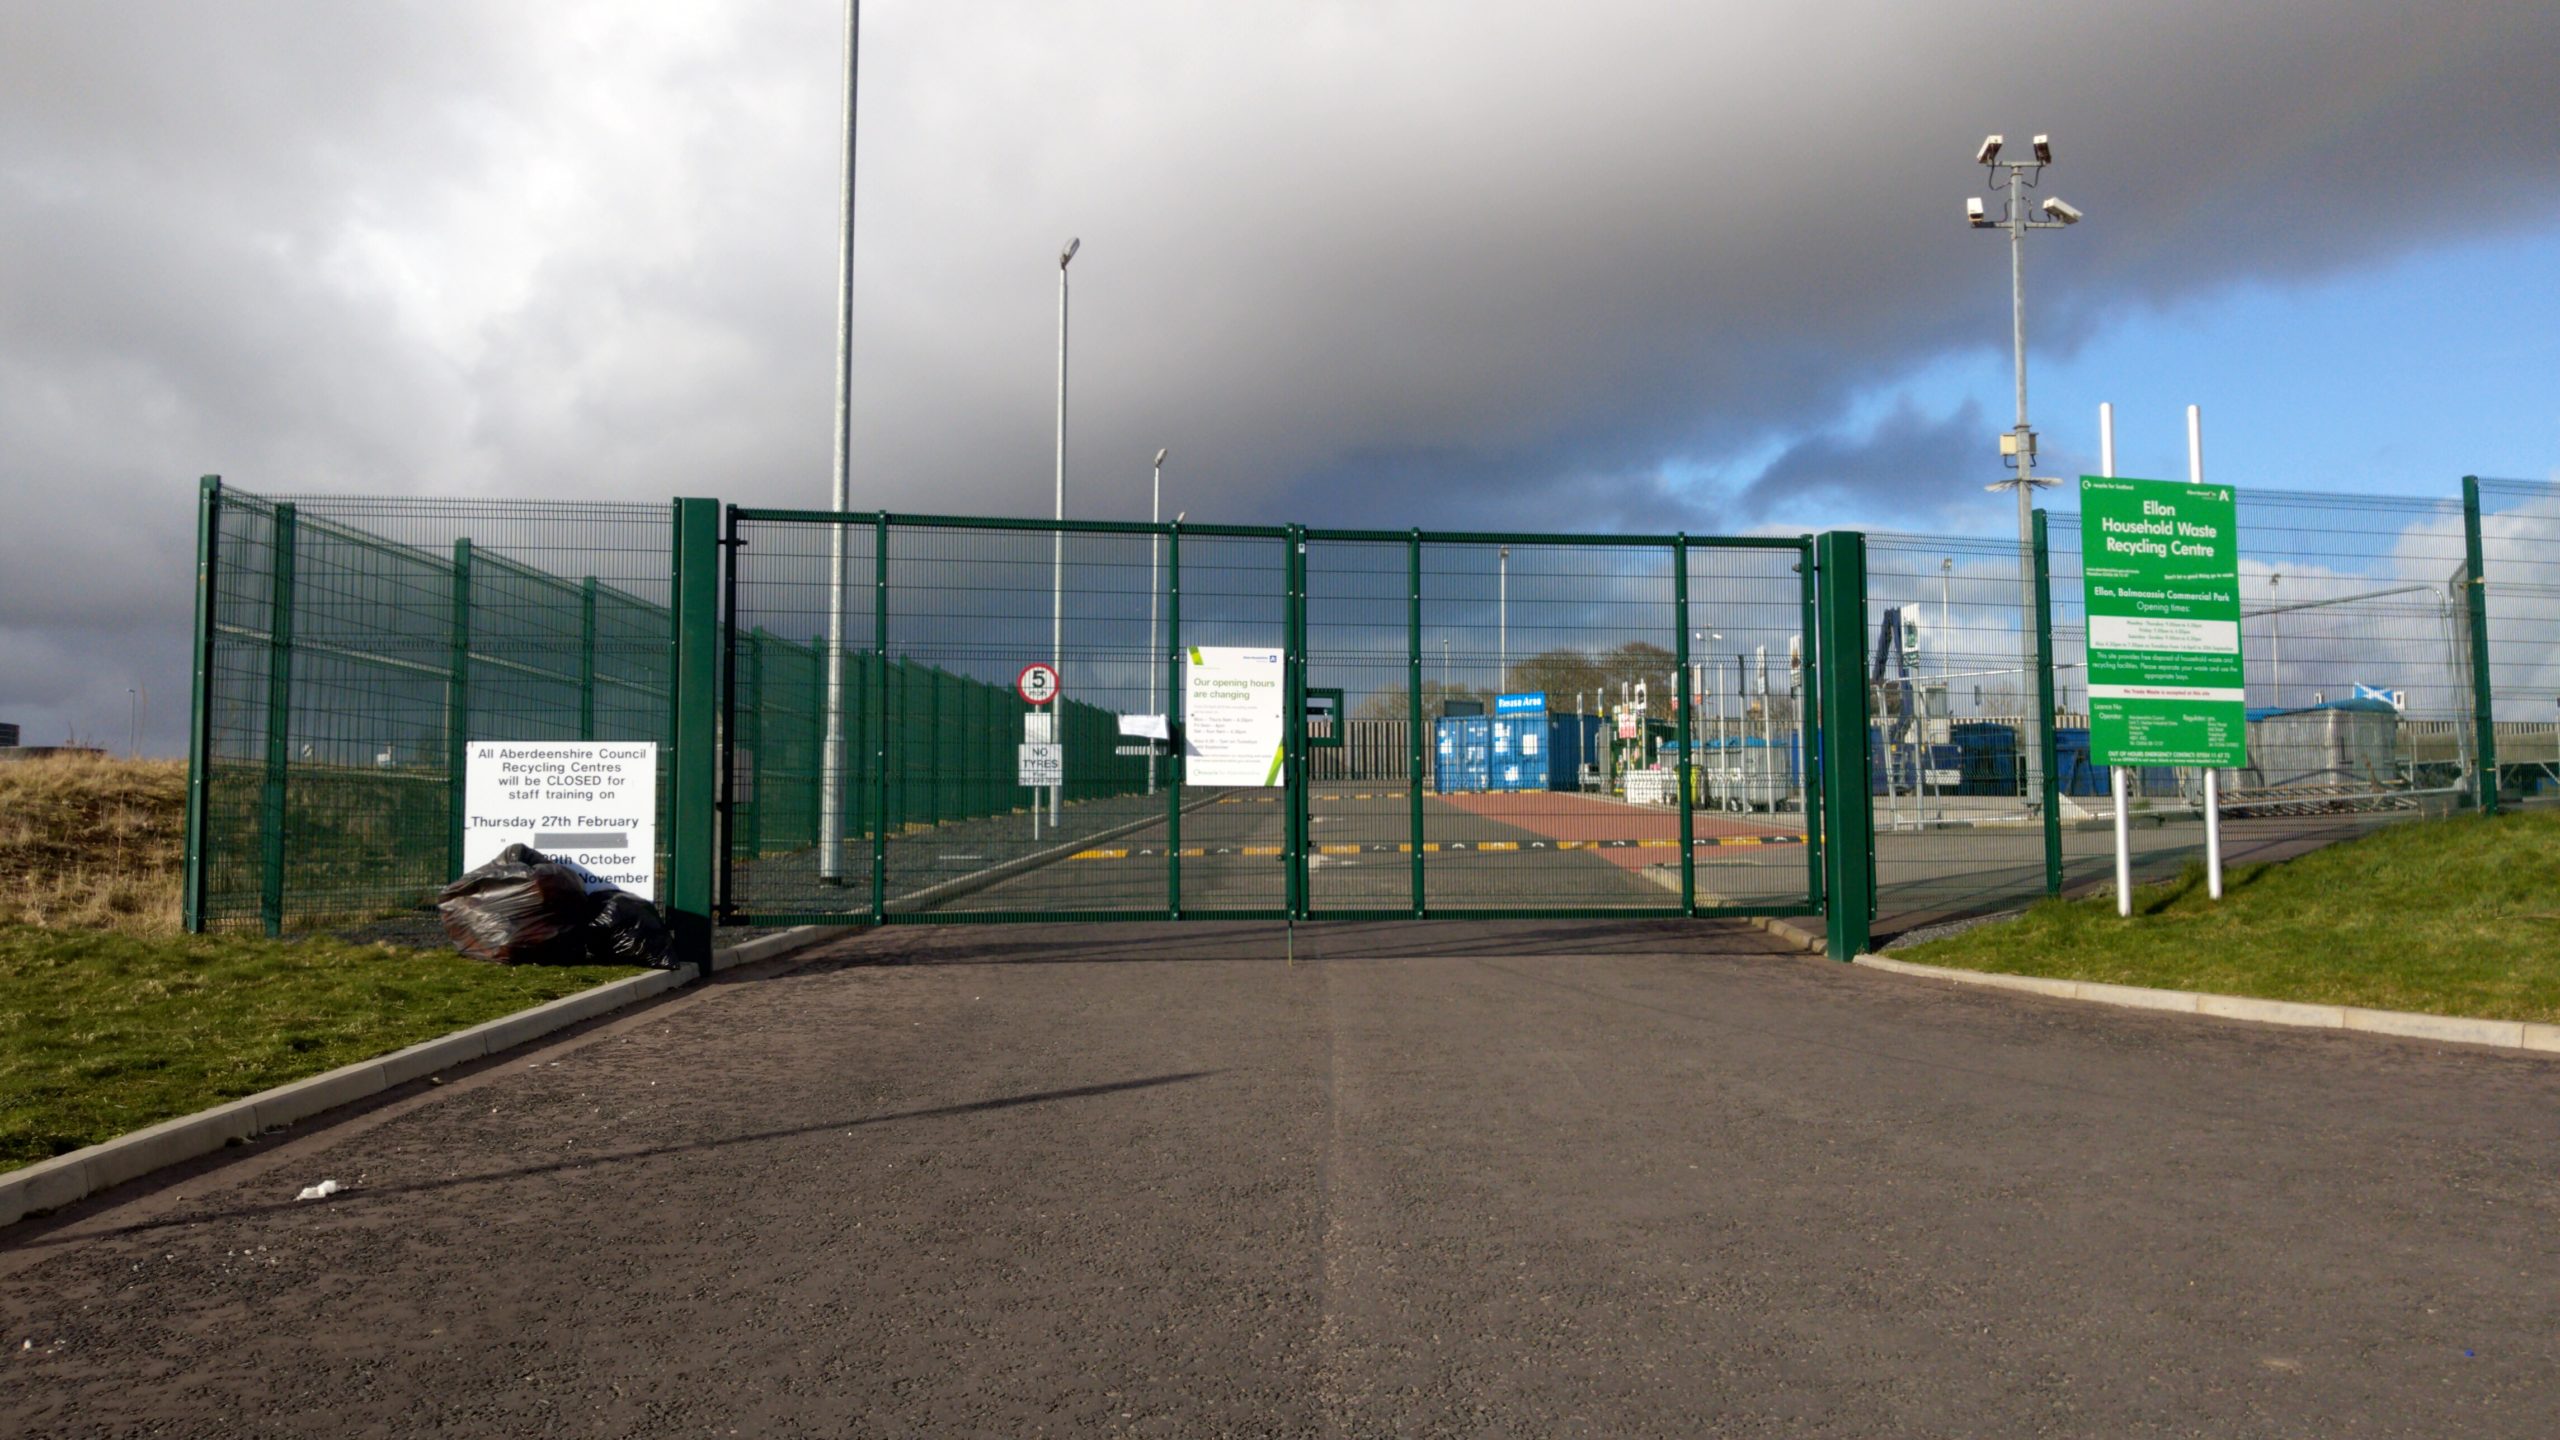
92, 842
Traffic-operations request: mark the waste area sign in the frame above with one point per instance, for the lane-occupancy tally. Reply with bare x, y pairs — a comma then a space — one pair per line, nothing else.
594, 805
1041, 764
1231, 716
2162, 565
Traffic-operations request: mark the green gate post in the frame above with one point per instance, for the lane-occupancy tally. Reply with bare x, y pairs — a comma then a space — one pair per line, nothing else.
457, 706
1413, 709
1682, 695
587, 659
1809, 719
1293, 751
695, 818
271, 817
1173, 708
2476, 603
2044, 710
880, 709
200, 708
1849, 819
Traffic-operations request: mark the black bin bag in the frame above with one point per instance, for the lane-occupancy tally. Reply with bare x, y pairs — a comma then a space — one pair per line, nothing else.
522, 907
627, 930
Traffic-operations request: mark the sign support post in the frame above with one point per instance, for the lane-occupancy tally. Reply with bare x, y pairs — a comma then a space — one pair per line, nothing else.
2162, 567
2212, 776
2117, 775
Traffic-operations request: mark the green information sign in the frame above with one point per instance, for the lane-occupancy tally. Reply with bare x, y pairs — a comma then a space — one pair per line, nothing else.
2162, 565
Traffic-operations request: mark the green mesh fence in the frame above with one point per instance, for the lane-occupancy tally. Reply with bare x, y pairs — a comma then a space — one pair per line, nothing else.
352, 649
2520, 554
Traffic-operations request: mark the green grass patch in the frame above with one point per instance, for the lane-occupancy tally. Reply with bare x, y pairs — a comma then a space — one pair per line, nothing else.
102, 1032
2452, 917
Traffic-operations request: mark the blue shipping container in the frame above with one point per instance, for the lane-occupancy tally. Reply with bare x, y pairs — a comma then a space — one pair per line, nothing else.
1520, 748
1461, 754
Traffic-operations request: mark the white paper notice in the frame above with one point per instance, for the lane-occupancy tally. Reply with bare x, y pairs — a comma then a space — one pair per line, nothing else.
1231, 716
593, 805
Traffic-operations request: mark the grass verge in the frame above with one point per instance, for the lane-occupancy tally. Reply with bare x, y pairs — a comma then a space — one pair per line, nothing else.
2450, 917
102, 1032
92, 842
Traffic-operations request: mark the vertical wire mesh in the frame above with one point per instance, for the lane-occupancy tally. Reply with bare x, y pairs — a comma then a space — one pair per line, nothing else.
1749, 723
969, 609
2354, 642
2520, 554
1360, 833
1234, 593
1956, 731
360, 644
779, 720
1510, 824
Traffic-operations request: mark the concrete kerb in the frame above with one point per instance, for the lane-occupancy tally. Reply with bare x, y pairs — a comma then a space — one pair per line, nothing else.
52, 1184
2451, 1029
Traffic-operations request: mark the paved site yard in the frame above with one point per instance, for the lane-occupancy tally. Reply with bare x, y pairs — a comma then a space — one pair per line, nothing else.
1530, 1179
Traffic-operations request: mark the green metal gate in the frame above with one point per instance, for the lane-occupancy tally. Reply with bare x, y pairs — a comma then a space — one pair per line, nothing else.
871, 727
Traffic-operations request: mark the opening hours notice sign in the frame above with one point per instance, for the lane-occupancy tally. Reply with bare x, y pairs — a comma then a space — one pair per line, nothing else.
2161, 562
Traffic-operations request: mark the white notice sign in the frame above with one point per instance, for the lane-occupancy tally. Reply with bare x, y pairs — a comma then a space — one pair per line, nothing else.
594, 805
1231, 716
1042, 764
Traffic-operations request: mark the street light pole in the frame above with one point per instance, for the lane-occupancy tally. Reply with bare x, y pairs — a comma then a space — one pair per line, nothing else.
1155, 587
831, 764
1058, 513
2020, 443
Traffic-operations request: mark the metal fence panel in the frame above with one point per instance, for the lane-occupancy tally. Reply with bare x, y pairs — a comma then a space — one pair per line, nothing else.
357, 645
2520, 555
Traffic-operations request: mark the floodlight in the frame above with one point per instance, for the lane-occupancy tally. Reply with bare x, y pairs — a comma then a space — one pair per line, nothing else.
1973, 213
1069, 253
1989, 152
2062, 210
2044, 149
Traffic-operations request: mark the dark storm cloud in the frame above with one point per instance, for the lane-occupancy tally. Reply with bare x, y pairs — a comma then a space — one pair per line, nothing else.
1448, 263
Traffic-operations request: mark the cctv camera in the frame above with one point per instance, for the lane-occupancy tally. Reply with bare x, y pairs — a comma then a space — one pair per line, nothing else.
1973, 212
2044, 149
2063, 211
1989, 152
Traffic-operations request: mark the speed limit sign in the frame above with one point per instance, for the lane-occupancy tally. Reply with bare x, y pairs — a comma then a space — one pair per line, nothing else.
1037, 684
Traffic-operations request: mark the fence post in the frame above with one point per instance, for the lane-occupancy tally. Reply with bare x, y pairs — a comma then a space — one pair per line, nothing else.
880, 709
1293, 748
1849, 819
200, 708
724, 849
272, 806
1413, 708
696, 818
1173, 708
2044, 713
457, 705
1809, 719
2476, 603
1681, 694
